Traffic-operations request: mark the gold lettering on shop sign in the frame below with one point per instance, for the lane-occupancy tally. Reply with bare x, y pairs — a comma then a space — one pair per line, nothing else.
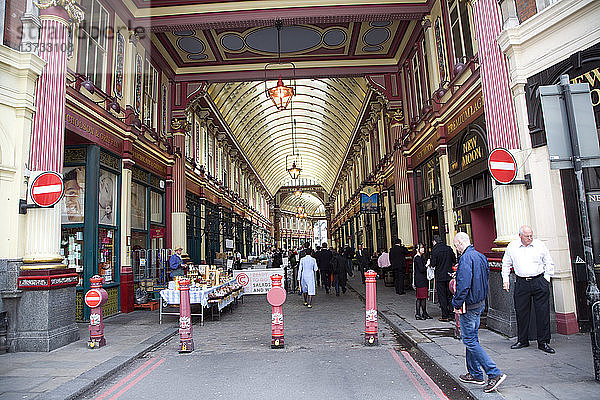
91, 130
425, 150
461, 118
593, 78
471, 151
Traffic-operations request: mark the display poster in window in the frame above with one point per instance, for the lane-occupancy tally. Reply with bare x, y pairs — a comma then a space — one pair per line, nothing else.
138, 206
119, 62
107, 198
73, 203
369, 200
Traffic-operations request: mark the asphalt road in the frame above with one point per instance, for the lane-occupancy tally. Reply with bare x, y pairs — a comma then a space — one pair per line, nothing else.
324, 357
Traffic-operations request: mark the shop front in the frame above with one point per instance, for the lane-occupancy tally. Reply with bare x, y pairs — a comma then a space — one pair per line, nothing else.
148, 233
473, 210
582, 67
428, 192
90, 221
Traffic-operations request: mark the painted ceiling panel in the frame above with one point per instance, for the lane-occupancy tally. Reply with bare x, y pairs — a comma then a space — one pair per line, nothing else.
306, 42
325, 112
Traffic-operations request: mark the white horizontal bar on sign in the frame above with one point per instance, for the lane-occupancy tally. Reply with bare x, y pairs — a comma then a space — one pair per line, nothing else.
47, 189
502, 165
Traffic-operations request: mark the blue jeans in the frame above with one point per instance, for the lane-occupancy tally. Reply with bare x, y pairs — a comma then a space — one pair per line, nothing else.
476, 356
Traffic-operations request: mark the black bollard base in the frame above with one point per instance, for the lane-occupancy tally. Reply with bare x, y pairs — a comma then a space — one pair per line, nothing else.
277, 343
186, 346
371, 340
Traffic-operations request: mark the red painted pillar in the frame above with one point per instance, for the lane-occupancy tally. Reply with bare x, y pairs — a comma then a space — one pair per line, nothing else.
371, 309
186, 338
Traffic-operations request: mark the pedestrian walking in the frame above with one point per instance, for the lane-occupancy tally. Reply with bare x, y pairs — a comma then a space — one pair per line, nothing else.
364, 259
316, 256
398, 255
383, 262
420, 283
533, 267
324, 264
469, 301
443, 259
340, 270
348, 255
306, 277
277, 259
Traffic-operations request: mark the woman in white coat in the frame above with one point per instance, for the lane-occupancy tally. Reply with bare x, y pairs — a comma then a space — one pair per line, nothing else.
306, 276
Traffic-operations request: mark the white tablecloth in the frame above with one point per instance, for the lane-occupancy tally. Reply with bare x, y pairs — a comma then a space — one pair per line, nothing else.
197, 296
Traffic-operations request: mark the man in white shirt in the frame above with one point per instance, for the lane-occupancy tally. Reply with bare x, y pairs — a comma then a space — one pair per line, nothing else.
533, 267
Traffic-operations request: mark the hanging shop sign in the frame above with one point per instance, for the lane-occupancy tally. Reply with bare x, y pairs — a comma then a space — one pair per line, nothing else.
369, 200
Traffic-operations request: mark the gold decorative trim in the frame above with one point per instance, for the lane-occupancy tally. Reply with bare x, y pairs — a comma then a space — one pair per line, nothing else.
498, 249
39, 266
75, 12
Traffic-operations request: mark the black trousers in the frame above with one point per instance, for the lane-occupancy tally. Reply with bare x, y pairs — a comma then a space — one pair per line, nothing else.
326, 279
399, 280
444, 297
536, 290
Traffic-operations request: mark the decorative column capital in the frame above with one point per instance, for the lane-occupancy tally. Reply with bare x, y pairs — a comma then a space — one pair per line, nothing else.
74, 11
180, 125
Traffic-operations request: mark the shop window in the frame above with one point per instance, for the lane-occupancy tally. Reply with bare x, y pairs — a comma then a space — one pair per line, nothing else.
74, 201
71, 248
461, 30
106, 254
138, 206
156, 207
107, 198
93, 43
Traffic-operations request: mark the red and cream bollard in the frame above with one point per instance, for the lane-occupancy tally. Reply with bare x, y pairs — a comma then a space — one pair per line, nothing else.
94, 299
276, 297
371, 308
186, 338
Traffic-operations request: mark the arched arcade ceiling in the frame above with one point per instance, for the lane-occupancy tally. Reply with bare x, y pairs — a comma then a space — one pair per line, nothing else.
311, 203
326, 113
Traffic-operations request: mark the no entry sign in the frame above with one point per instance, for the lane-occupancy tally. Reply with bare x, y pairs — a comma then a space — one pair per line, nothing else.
47, 189
502, 166
93, 298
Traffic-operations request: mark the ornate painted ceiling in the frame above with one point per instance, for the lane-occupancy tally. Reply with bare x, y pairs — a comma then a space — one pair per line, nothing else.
325, 111
310, 43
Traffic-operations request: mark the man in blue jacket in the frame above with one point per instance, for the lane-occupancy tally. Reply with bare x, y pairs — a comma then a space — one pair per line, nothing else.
469, 302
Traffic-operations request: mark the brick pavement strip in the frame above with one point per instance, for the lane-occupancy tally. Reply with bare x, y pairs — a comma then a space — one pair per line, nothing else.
531, 373
71, 370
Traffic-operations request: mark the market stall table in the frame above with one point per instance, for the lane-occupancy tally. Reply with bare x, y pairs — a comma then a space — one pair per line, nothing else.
170, 297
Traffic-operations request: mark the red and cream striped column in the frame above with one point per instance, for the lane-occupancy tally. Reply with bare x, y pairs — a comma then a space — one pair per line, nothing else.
178, 216
500, 118
404, 216
47, 136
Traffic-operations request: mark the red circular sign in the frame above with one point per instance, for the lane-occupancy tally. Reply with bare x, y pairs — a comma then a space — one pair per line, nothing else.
276, 296
502, 166
242, 279
93, 298
47, 189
